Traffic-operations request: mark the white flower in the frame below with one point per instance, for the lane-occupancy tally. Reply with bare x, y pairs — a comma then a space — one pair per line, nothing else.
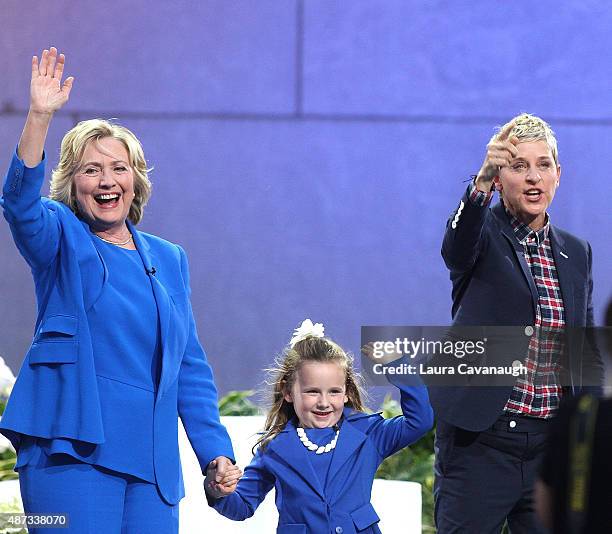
306, 329
7, 379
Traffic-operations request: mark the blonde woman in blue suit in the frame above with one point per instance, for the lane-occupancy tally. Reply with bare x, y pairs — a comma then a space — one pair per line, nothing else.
115, 358
319, 449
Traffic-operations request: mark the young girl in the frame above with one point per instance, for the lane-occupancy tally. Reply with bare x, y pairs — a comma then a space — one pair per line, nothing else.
320, 451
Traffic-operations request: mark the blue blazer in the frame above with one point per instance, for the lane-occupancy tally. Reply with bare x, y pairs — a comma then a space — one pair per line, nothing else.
56, 393
493, 286
343, 504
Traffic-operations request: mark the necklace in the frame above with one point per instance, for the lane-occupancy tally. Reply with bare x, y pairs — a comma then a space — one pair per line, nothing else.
118, 244
318, 449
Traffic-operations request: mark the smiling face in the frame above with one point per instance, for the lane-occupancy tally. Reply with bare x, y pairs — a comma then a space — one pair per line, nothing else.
104, 185
318, 394
529, 183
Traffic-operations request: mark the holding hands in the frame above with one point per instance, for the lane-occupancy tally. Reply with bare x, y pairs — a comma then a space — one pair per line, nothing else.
221, 477
501, 150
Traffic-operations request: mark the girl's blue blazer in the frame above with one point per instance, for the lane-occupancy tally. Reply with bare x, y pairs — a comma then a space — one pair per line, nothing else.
341, 505
56, 393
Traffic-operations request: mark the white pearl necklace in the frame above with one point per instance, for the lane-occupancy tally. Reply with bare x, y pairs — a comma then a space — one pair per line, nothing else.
318, 449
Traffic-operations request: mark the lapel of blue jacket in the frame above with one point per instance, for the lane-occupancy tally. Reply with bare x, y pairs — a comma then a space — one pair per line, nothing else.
565, 268
519, 252
162, 298
288, 447
349, 440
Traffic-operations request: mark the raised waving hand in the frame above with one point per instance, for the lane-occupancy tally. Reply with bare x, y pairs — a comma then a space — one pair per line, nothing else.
47, 95
47, 92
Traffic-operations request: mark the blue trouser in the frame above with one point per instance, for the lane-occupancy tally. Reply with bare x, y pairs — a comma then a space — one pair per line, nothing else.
484, 478
96, 500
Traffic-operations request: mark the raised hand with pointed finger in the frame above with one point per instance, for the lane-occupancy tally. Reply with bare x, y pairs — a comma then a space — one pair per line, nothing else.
501, 150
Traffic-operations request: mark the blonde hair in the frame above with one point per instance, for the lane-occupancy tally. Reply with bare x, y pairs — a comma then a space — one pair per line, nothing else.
527, 127
283, 375
73, 146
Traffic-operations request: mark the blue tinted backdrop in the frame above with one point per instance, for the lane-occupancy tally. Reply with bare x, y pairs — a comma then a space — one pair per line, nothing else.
307, 153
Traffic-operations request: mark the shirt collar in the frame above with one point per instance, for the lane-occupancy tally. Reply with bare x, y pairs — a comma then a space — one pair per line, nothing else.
524, 233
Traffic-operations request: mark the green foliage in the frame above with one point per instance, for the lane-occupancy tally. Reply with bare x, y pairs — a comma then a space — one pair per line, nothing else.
414, 463
7, 463
238, 403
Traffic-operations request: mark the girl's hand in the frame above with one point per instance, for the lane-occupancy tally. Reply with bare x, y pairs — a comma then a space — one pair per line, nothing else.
221, 478
47, 93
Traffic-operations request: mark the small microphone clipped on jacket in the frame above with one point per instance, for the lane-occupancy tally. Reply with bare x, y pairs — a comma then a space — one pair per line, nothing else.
151, 271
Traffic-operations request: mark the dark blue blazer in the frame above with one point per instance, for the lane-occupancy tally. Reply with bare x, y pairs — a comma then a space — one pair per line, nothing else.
493, 286
56, 393
306, 505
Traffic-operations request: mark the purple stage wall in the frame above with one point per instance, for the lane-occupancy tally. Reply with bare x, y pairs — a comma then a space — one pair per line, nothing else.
307, 153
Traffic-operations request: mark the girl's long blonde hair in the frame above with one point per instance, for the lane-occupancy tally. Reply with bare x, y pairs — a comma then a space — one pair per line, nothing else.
282, 377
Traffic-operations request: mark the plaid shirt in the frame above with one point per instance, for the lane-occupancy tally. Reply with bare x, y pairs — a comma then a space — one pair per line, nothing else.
538, 392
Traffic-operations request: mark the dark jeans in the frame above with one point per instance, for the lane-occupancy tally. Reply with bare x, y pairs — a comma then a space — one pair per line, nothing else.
484, 478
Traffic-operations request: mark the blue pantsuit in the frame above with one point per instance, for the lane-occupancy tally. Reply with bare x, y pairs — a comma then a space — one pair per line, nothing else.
105, 381
94, 499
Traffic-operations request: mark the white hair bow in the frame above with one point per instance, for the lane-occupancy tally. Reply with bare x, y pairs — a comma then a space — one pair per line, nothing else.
306, 329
